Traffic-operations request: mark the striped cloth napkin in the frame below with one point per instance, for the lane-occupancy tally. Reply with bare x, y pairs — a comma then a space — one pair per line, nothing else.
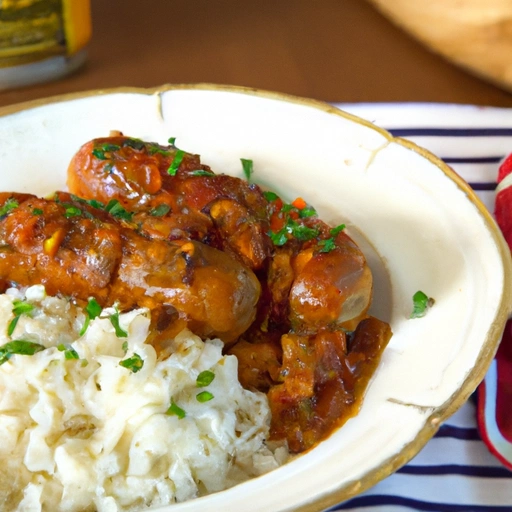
495, 392
465, 467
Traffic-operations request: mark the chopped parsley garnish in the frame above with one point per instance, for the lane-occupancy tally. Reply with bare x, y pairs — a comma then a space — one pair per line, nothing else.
288, 215
125, 347
202, 172
288, 208
205, 378
134, 363
247, 166
421, 302
91, 311
327, 245
337, 230
101, 150
279, 238
307, 211
19, 308
69, 351
91, 202
302, 232
37, 211
22, 347
176, 410
72, 211
204, 396
160, 210
114, 320
178, 157
95, 203
270, 196
134, 143
153, 149
171, 141
293, 229
115, 209
9, 205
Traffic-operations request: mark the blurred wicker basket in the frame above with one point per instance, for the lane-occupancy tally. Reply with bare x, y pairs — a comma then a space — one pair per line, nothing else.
476, 34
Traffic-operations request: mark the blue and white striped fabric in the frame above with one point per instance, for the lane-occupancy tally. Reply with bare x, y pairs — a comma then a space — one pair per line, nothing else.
454, 472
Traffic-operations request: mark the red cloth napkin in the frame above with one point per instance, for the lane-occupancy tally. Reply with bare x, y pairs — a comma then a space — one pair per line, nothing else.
495, 392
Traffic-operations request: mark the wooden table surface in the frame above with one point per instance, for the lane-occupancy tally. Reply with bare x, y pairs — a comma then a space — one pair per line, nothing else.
333, 50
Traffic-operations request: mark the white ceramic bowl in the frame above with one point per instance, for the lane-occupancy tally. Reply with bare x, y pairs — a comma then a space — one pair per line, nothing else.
420, 225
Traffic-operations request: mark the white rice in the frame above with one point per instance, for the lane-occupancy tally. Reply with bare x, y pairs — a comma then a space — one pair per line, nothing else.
88, 434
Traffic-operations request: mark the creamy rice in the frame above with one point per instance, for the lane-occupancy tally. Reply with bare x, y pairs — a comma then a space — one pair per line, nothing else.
88, 434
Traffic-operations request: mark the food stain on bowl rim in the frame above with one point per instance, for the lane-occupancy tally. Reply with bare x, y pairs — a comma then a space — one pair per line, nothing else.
435, 414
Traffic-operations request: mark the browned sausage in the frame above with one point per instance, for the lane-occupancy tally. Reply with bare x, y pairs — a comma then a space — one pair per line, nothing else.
79, 251
189, 200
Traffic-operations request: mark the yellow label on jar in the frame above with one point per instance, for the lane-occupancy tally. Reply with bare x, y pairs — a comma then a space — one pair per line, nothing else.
34, 30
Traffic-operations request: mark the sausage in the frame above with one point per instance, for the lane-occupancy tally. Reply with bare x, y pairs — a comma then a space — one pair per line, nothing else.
330, 288
189, 200
78, 250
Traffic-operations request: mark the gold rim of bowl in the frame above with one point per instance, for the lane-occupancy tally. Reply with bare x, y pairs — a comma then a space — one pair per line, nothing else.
494, 333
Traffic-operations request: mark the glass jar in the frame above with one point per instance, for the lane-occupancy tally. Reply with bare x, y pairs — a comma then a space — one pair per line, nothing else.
42, 40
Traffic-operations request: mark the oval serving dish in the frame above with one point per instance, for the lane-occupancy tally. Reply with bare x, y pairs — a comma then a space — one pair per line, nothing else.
419, 224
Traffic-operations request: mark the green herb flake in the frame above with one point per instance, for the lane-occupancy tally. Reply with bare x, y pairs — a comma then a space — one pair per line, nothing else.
176, 410
69, 351
91, 311
160, 210
153, 149
91, 202
201, 172
134, 363
134, 143
114, 320
12, 325
9, 205
100, 151
22, 347
72, 211
37, 211
302, 232
247, 166
125, 346
338, 229
172, 141
307, 211
286, 208
204, 396
178, 157
270, 196
96, 204
115, 209
19, 308
421, 303
327, 245
279, 238
205, 378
